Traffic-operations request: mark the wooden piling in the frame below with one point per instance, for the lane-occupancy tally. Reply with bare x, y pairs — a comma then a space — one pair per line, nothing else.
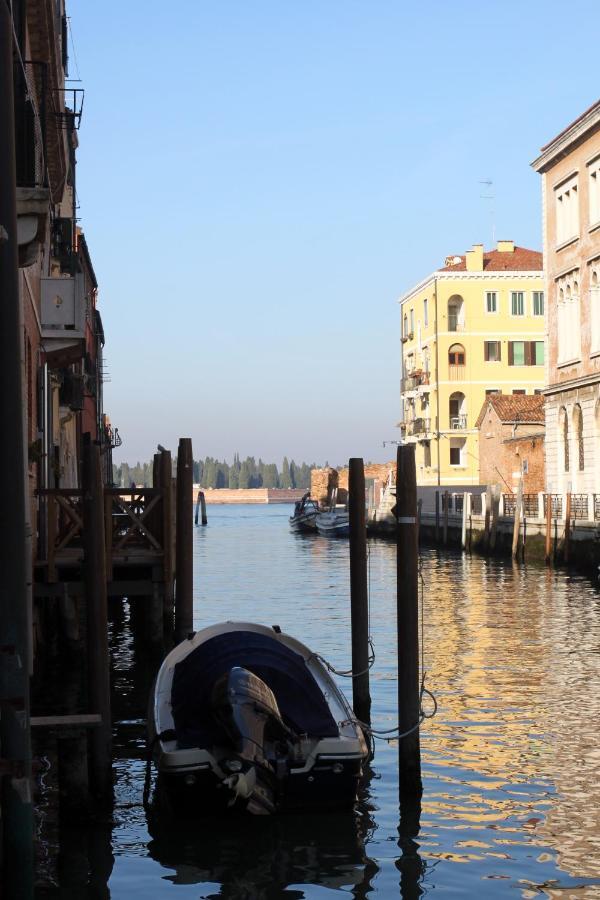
548, 549
463, 535
359, 594
184, 595
446, 497
567, 527
166, 485
488, 512
437, 517
409, 753
200, 508
495, 516
517, 519
97, 622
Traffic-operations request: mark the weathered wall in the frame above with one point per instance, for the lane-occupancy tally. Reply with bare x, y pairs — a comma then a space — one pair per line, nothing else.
323, 480
250, 495
501, 454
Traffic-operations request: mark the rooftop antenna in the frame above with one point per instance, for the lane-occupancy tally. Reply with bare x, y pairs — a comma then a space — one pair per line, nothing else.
490, 196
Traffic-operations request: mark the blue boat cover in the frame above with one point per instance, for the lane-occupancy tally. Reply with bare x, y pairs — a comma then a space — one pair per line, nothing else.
301, 702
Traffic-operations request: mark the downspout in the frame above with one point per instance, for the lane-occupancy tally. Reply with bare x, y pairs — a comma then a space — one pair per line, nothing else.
437, 384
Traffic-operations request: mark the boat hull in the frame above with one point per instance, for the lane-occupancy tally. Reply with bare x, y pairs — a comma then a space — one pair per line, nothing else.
332, 524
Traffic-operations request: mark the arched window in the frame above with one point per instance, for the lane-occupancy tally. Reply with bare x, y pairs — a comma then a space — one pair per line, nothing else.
564, 424
455, 313
457, 410
456, 355
578, 428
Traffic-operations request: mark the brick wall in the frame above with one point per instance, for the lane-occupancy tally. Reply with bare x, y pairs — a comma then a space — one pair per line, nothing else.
501, 454
323, 480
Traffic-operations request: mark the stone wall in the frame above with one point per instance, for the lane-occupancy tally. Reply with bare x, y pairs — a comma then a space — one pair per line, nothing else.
322, 481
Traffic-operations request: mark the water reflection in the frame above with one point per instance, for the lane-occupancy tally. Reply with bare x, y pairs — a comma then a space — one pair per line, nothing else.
263, 858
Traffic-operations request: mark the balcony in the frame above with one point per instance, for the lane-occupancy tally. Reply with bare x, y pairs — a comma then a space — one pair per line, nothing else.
418, 426
63, 312
457, 423
414, 380
454, 323
457, 373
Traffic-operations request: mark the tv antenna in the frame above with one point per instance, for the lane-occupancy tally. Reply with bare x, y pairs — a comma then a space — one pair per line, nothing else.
492, 197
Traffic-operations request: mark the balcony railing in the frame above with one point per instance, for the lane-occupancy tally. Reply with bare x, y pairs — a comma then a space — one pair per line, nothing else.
458, 422
454, 323
457, 373
418, 426
413, 380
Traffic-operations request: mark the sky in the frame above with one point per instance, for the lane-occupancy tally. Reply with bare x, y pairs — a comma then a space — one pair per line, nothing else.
259, 182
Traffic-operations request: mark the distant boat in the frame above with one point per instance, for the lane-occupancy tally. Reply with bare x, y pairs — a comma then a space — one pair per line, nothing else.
245, 717
305, 514
334, 523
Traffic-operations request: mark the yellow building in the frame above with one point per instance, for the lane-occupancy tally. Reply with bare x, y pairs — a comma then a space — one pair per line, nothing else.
470, 329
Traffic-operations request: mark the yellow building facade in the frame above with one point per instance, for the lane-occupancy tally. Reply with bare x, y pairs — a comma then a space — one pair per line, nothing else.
472, 328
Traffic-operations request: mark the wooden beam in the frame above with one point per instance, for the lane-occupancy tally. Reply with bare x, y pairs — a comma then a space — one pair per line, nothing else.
85, 720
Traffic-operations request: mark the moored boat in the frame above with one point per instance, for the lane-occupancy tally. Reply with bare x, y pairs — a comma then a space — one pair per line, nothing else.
245, 717
305, 514
333, 523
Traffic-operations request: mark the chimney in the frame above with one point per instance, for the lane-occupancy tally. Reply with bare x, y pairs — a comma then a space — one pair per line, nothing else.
474, 258
506, 246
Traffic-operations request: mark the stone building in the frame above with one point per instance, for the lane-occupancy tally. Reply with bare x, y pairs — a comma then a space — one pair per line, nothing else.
570, 169
511, 442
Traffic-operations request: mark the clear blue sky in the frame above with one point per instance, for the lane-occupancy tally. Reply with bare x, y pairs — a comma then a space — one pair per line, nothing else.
259, 181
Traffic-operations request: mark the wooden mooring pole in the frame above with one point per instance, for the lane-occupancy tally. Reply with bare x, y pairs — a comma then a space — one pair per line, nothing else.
437, 517
359, 591
166, 486
517, 519
548, 548
445, 518
409, 752
97, 622
567, 527
184, 566
200, 508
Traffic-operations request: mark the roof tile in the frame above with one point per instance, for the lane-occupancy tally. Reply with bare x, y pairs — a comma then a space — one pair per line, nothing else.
525, 408
520, 260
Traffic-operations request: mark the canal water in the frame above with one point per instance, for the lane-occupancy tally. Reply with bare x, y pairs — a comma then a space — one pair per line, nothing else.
511, 761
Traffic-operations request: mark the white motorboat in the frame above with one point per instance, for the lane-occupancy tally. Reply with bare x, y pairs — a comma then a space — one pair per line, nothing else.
245, 717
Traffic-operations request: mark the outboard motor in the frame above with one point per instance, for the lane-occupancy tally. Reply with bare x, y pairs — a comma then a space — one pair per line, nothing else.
247, 709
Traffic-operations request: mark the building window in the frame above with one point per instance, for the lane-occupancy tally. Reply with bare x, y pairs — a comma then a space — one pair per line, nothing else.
427, 454
405, 326
425, 314
578, 425
457, 410
568, 317
412, 323
594, 191
517, 303
567, 211
538, 391
456, 355
491, 302
457, 451
538, 303
595, 311
489, 392
526, 353
491, 351
565, 437
456, 320
519, 391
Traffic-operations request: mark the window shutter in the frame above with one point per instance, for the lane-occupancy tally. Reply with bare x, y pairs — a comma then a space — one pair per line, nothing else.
511, 355
527, 352
486, 354
499, 351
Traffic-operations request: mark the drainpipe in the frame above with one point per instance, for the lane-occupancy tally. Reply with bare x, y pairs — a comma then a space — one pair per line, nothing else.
437, 383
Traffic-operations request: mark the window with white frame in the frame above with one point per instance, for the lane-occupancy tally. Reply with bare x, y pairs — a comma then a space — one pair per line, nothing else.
457, 451
594, 191
491, 301
517, 303
567, 210
595, 307
425, 313
568, 318
538, 303
412, 322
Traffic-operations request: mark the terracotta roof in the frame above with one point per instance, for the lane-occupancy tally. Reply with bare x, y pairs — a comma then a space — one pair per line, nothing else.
520, 260
525, 408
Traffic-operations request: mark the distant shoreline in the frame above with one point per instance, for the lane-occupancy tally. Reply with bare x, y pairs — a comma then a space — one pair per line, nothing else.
249, 495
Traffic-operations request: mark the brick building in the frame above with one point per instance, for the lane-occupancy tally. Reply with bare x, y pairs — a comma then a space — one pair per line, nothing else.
570, 170
511, 442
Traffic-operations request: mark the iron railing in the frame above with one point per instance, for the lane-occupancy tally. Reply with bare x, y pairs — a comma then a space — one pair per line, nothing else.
458, 422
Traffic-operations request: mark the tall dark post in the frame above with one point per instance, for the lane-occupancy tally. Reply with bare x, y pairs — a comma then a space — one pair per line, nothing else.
166, 485
548, 548
15, 739
409, 752
97, 622
567, 527
359, 592
184, 566
437, 517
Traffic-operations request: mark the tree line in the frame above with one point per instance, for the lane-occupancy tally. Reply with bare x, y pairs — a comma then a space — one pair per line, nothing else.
214, 473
